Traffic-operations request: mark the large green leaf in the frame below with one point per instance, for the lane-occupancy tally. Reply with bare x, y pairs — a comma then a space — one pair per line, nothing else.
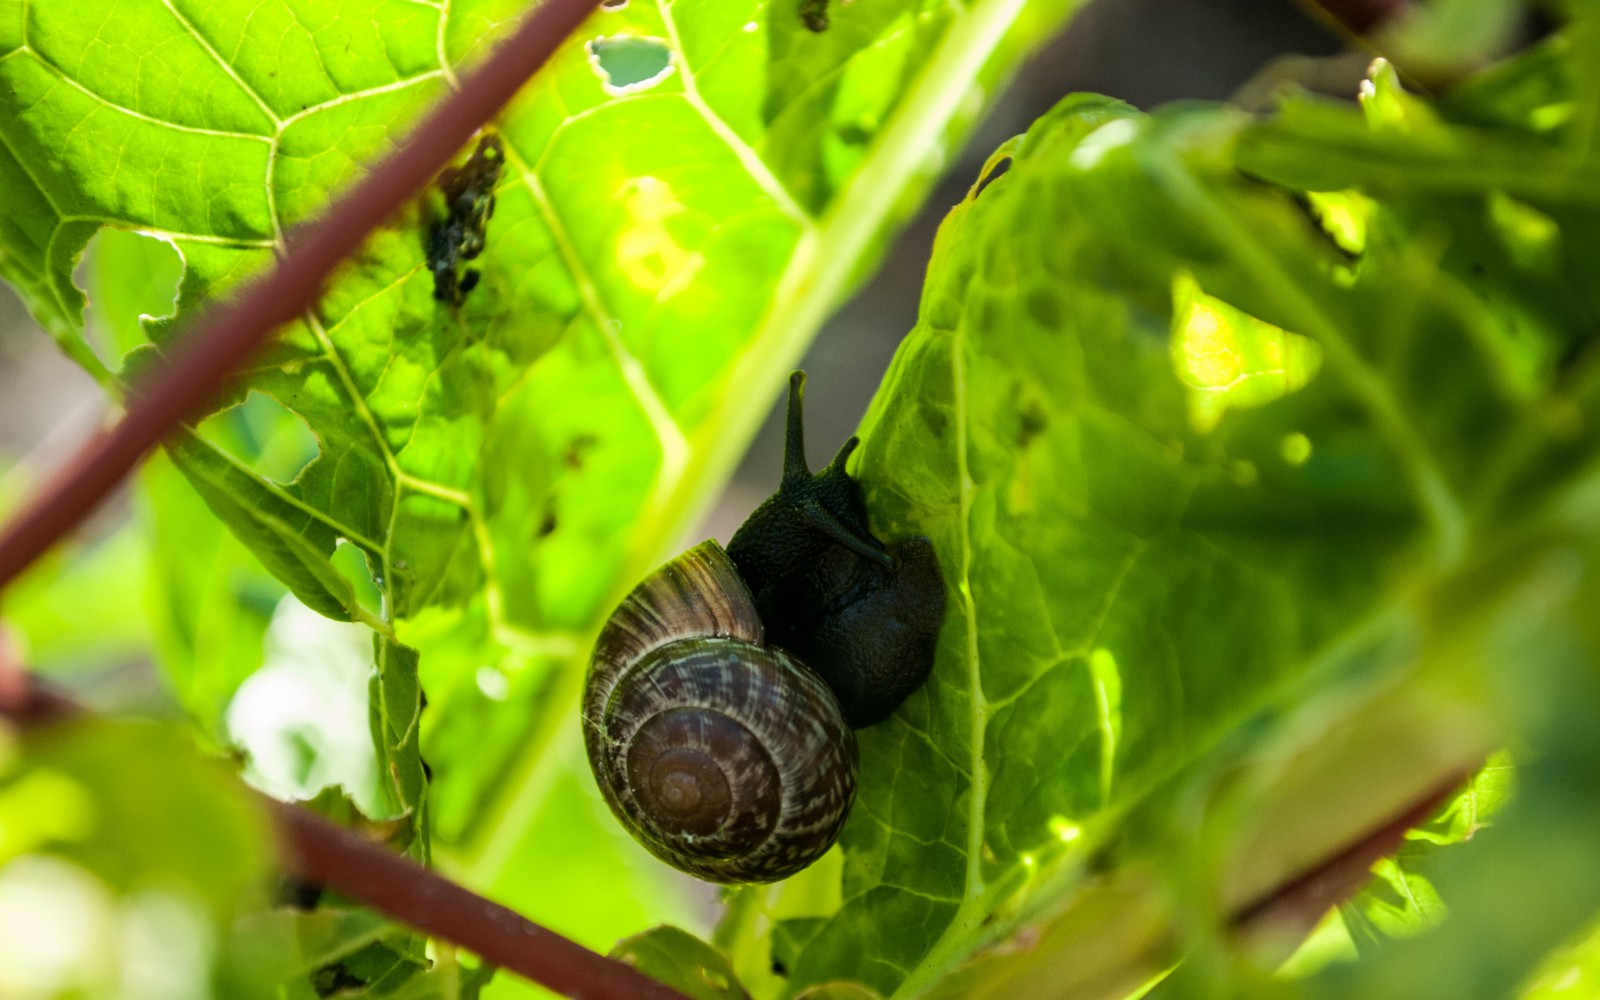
1204, 458
689, 187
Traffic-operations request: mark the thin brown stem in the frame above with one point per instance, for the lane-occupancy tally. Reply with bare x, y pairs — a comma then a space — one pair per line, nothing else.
228, 333
1358, 18
316, 851
1295, 907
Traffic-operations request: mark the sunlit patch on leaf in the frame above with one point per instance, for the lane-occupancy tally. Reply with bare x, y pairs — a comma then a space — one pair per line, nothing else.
1328, 943
647, 253
1108, 706
1400, 903
1474, 807
1111, 136
1532, 238
1344, 216
1227, 358
40, 807
1570, 972
1064, 829
628, 64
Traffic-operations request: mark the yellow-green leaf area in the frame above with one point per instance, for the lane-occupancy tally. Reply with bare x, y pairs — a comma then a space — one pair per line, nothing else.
155, 175
1229, 359
321, 150
295, 55
143, 58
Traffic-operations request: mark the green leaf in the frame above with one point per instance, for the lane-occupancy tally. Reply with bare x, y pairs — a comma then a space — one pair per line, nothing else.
1570, 971
1143, 592
396, 707
1399, 903
682, 961
688, 189
213, 601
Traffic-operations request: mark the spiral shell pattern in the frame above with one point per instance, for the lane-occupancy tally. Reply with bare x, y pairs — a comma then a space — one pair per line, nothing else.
725, 758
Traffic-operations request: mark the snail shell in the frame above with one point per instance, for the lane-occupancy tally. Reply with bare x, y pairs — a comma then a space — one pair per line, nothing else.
724, 757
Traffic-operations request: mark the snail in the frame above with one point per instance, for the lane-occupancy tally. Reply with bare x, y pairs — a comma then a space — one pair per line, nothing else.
720, 700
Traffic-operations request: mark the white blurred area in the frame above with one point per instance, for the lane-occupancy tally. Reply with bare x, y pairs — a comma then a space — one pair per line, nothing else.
65, 933
302, 718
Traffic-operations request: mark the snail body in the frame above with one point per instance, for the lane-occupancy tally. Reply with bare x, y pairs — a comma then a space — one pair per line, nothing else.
862, 614
718, 706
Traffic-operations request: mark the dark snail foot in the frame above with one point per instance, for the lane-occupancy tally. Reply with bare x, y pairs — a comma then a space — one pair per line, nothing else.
874, 642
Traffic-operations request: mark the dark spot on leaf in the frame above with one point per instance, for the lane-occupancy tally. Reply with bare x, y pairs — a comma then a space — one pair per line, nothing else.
937, 420
577, 449
995, 173
299, 894
1043, 306
1031, 422
461, 235
854, 134
1477, 269
814, 14
778, 968
547, 525
331, 979
613, 4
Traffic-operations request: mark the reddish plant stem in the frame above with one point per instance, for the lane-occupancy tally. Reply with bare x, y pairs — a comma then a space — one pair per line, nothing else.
1299, 904
1359, 17
316, 851
232, 331
321, 852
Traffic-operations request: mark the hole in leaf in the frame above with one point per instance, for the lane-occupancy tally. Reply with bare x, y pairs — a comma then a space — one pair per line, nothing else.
261, 432
628, 64
302, 718
1343, 215
128, 277
1228, 359
353, 563
994, 173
